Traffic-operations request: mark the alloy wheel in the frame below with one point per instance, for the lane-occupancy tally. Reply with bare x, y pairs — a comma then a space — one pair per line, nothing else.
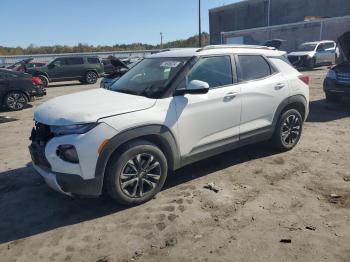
140, 175
16, 101
91, 77
291, 129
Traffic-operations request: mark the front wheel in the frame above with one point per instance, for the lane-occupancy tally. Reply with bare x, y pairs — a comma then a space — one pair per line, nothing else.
288, 130
312, 63
16, 101
137, 173
91, 77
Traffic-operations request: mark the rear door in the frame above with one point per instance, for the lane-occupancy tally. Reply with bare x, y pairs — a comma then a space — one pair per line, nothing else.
263, 88
74, 68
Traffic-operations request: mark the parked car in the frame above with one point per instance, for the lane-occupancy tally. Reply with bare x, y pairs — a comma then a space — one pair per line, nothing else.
86, 69
314, 54
276, 43
20, 66
17, 89
36, 64
337, 82
118, 69
171, 109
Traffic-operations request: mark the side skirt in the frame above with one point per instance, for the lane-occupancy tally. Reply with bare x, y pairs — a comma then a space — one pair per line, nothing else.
219, 147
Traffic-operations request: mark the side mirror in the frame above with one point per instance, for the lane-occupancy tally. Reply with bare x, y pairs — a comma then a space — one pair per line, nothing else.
194, 87
50, 66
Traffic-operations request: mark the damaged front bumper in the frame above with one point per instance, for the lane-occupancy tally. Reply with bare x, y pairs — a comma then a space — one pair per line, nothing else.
50, 179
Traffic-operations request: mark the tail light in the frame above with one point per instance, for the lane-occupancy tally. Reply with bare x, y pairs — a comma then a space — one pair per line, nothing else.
36, 81
305, 79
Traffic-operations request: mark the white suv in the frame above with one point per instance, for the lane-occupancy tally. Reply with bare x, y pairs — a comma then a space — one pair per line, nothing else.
171, 109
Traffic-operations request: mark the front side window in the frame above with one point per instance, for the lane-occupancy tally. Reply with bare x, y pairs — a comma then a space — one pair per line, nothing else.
307, 47
216, 71
253, 67
59, 62
150, 77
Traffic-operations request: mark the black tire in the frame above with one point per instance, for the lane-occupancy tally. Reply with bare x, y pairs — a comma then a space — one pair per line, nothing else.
44, 80
132, 161
333, 98
15, 101
288, 130
91, 77
311, 63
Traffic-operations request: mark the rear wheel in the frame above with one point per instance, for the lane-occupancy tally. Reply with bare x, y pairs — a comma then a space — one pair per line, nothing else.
15, 101
333, 98
312, 63
288, 130
137, 173
91, 77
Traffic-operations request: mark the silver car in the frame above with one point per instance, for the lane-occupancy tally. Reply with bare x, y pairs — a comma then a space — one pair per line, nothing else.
313, 54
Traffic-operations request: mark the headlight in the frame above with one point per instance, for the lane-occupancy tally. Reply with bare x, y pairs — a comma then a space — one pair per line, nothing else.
72, 129
332, 75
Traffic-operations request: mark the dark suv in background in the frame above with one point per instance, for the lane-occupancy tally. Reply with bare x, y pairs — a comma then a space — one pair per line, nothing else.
86, 69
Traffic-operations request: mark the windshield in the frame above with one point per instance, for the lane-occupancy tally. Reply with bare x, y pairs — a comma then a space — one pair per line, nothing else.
307, 47
150, 77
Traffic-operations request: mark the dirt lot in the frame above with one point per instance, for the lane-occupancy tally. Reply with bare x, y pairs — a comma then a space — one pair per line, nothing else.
264, 197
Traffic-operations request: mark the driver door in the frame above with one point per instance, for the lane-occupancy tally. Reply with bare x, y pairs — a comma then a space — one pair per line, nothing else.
208, 121
56, 68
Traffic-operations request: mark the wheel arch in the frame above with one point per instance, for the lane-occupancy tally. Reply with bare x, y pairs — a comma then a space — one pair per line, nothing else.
298, 102
159, 135
15, 90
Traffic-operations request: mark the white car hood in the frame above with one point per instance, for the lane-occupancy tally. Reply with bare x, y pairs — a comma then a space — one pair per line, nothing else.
88, 107
301, 53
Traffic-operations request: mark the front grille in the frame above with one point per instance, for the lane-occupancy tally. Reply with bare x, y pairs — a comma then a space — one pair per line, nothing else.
298, 61
41, 134
343, 78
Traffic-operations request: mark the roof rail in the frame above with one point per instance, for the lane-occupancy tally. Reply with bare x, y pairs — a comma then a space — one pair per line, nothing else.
210, 47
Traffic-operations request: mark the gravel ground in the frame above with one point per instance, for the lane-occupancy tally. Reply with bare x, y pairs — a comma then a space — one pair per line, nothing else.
264, 197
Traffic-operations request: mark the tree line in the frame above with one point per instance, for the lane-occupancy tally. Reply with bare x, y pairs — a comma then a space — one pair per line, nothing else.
57, 49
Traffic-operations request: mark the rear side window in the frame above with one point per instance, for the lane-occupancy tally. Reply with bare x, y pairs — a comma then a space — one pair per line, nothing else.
216, 71
93, 60
74, 61
252, 67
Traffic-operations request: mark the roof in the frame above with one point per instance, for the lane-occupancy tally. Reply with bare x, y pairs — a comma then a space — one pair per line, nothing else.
318, 42
219, 49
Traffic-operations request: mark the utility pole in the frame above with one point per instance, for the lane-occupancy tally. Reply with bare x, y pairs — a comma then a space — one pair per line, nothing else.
268, 12
161, 40
199, 24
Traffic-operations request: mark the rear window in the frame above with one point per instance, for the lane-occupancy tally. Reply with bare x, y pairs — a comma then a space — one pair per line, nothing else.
252, 67
74, 61
93, 60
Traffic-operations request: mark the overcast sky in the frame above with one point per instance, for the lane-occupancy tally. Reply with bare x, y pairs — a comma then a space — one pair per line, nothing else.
100, 22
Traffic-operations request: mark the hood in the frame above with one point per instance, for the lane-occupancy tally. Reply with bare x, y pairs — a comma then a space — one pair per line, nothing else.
301, 53
22, 62
344, 43
89, 106
116, 62
276, 43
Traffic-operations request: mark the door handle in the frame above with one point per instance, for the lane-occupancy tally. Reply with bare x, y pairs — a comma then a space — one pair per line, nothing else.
279, 86
231, 95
